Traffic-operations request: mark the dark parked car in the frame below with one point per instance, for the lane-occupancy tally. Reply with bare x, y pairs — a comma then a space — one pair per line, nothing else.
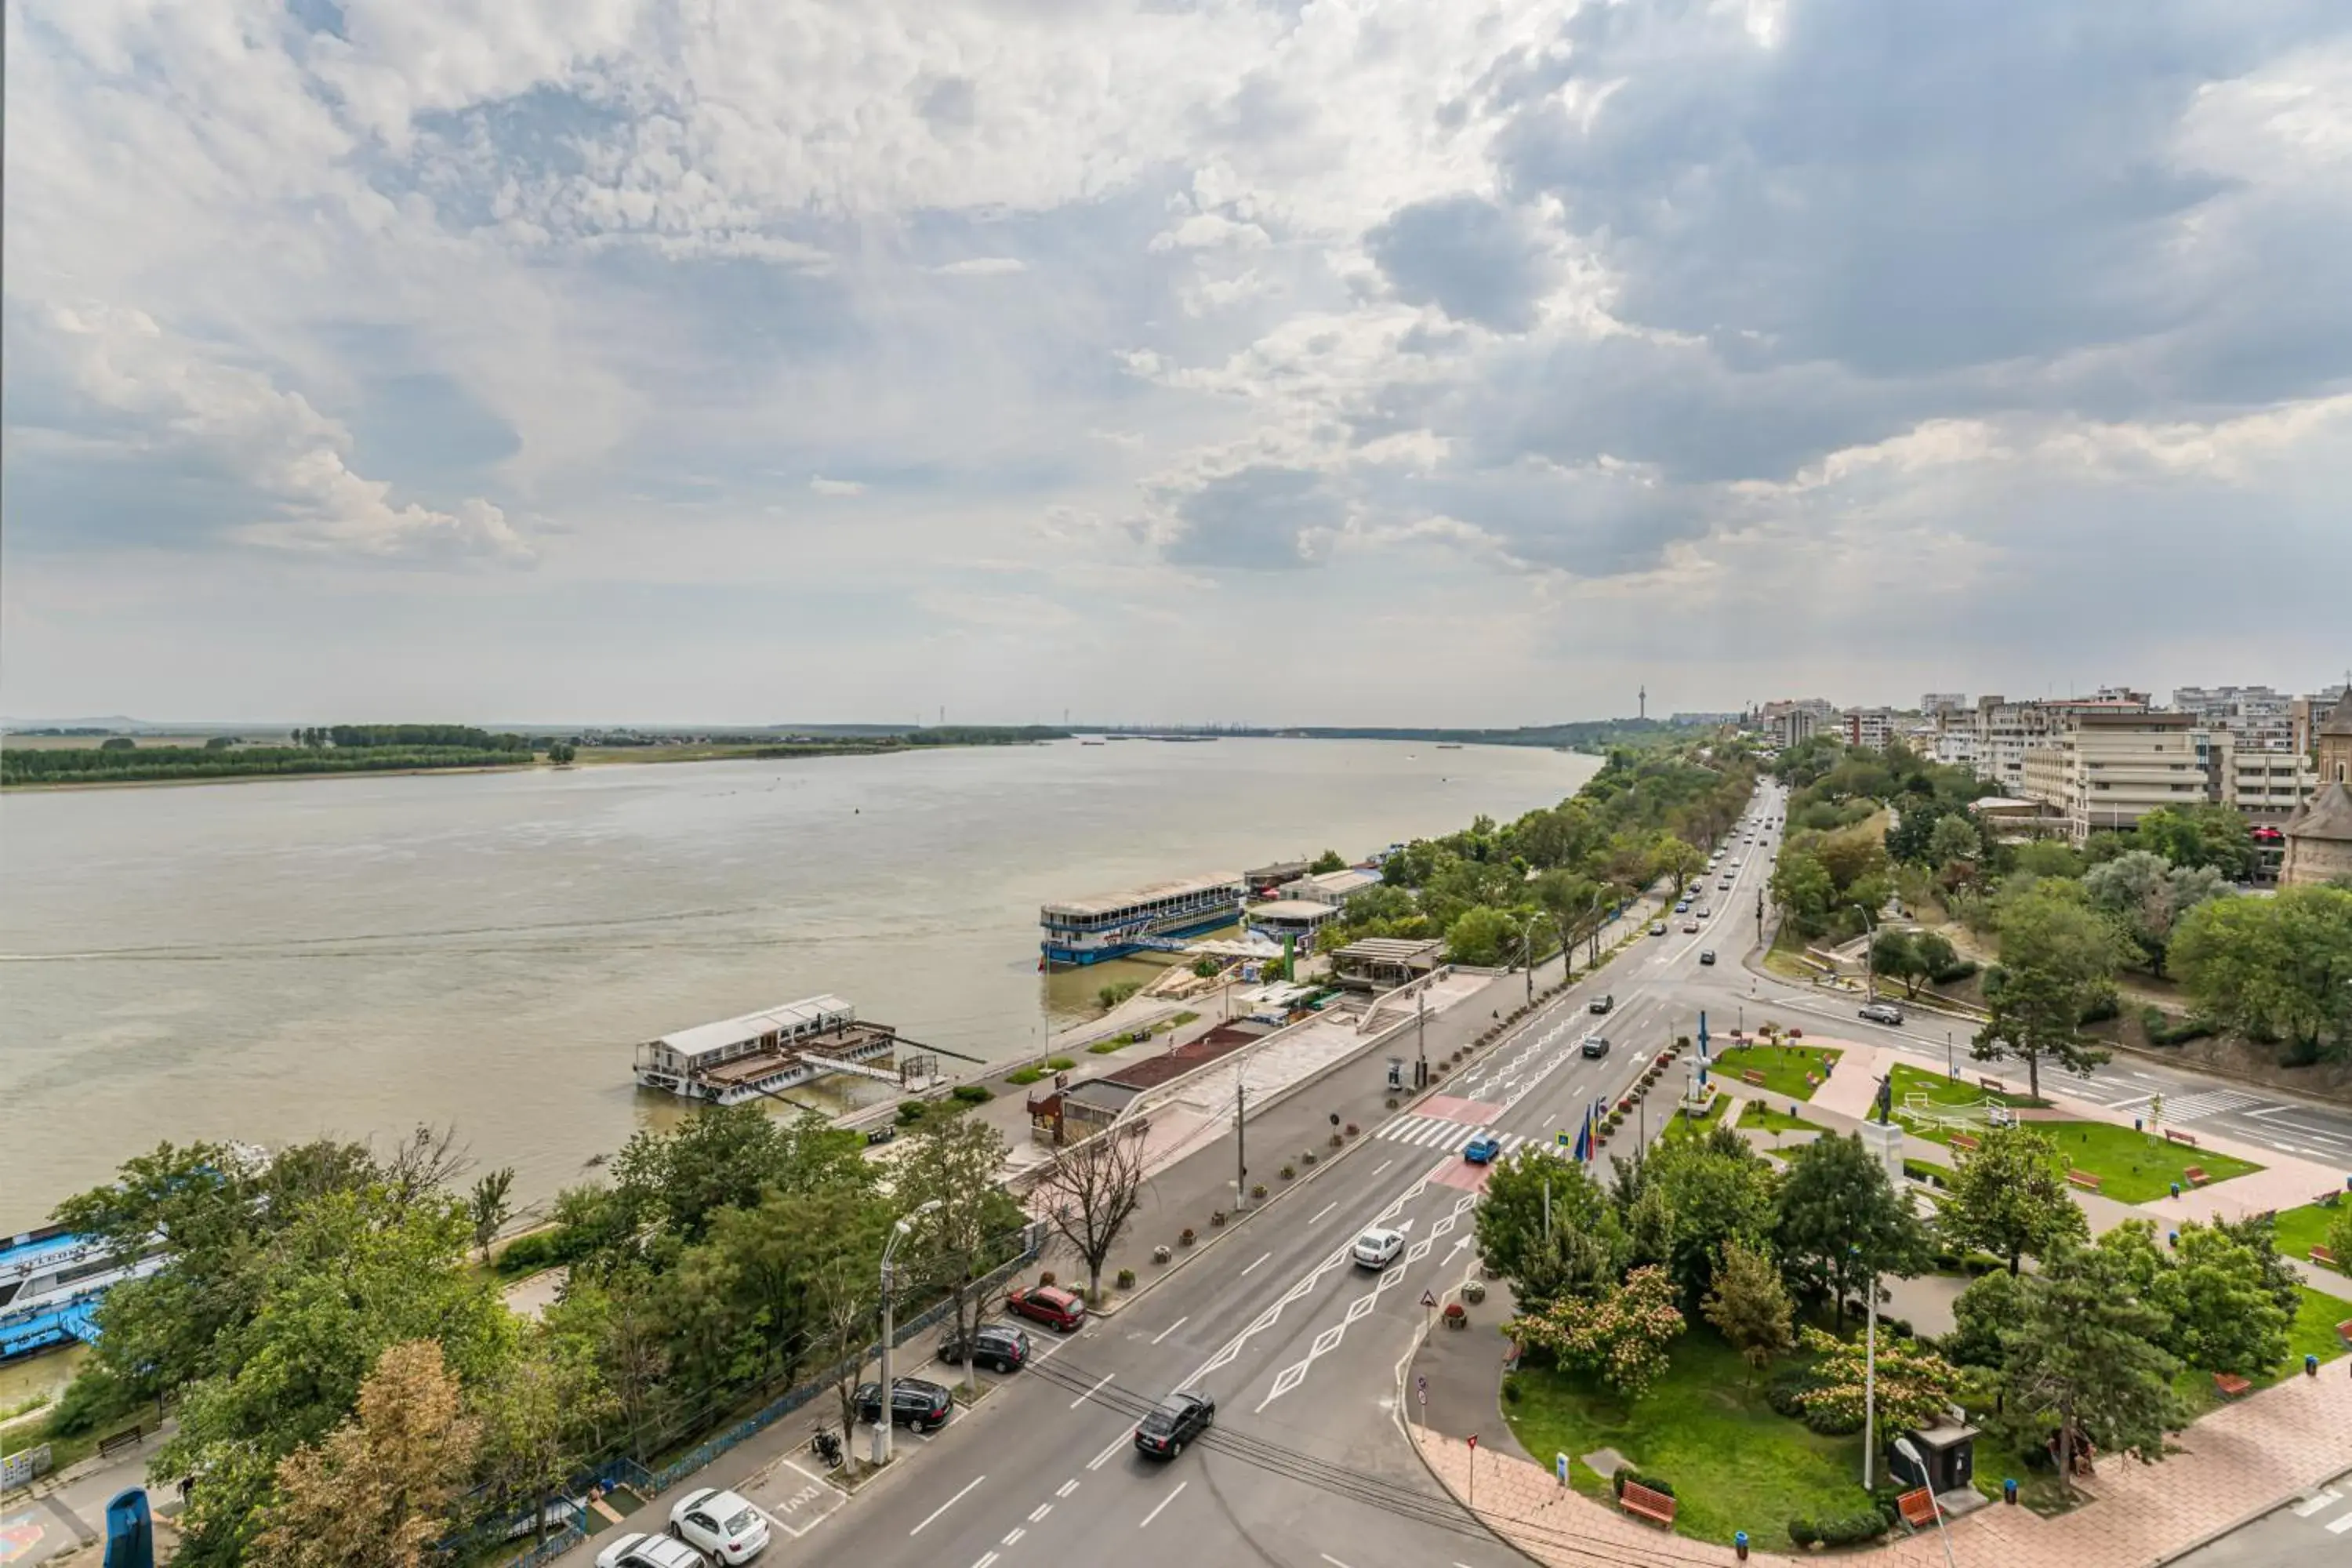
914, 1402
1595, 1046
1048, 1304
1706, 955
1601, 1004
1000, 1345
1179, 1419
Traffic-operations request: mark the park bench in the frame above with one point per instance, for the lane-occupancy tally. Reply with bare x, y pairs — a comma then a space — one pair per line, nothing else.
2195, 1175
1993, 1085
2321, 1255
1918, 1507
1750, 1075
2083, 1179
109, 1446
2344, 1332
2187, 1138
1962, 1141
1812, 1082
2230, 1385
1639, 1498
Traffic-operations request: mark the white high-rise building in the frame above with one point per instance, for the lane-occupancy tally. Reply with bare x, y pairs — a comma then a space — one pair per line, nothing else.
2258, 718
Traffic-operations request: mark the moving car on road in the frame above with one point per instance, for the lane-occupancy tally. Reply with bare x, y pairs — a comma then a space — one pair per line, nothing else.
1048, 1304
1657, 927
1000, 1345
1179, 1419
1690, 924
1594, 1047
649, 1551
1602, 1003
914, 1402
1483, 1149
721, 1524
1378, 1248
1880, 1013
1706, 957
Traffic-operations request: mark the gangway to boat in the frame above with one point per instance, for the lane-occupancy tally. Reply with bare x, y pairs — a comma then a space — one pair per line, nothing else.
861, 1069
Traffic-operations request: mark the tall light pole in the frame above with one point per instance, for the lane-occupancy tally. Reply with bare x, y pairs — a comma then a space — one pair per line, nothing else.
1869, 959
1870, 1384
888, 1413
1903, 1446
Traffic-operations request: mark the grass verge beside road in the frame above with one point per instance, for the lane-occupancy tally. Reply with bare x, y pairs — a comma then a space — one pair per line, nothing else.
1704, 1428
2301, 1229
1782, 1068
1942, 1090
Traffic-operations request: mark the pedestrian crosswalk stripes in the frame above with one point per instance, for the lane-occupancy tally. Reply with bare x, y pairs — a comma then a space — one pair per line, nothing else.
2211, 1102
1437, 1132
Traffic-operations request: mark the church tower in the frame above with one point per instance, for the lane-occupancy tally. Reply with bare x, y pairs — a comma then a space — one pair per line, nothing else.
2319, 835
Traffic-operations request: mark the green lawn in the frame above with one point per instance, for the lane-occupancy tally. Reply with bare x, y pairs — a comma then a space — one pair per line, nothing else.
2300, 1230
1704, 1428
1783, 1067
2135, 1167
1942, 1090
1761, 1115
2313, 1333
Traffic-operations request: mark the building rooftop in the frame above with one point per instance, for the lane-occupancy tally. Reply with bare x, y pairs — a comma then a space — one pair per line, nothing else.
752, 1026
1393, 949
1343, 881
1151, 892
1291, 910
2327, 814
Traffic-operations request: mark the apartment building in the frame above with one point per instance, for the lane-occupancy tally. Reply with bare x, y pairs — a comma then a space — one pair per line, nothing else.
1935, 702
1872, 727
1785, 723
2006, 731
2259, 718
2106, 768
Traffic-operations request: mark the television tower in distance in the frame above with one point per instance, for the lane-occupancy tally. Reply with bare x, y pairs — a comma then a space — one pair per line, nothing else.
1643, 698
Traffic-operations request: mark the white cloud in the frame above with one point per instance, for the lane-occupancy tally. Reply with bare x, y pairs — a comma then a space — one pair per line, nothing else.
826, 487
982, 267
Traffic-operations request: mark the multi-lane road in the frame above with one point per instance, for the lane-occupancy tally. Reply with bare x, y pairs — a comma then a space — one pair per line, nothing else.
1301, 1349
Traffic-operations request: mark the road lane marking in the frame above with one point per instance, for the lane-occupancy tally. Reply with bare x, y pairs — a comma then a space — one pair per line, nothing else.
1068, 1487
985, 1559
1041, 1511
1172, 1328
1376, 1171
1012, 1536
1172, 1497
947, 1505
1090, 1393
1331, 1560
1261, 1257
2306, 1508
2337, 1527
1326, 1209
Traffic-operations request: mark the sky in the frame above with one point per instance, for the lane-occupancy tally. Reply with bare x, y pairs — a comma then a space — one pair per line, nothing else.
755, 361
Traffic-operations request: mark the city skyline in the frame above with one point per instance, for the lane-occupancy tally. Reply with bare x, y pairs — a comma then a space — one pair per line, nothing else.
1384, 365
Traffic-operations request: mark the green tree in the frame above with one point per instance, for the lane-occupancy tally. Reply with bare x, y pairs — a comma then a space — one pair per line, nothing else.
1954, 839
973, 1224
1620, 1339
1841, 1225
1894, 957
2218, 837
1936, 958
1481, 936
1914, 1385
1329, 860
1573, 903
727, 1157
1586, 1246
1802, 886
491, 1206
2224, 1317
2057, 957
1715, 1190
1981, 1314
2009, 1198
375, 1492
2147, 896
542, 1416
2085, 1354
1749, 1307
1676, 861
2276, 969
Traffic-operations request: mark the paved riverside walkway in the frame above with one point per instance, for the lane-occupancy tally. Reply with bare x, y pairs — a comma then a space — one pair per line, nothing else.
2232, 1465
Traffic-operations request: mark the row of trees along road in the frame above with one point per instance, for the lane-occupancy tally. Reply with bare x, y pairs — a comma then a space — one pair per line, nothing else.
2086, 1345
1496, 893
722, 1262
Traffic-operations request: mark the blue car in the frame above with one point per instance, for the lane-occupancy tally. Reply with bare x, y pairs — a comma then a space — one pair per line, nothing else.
1482, 1147
1682, 907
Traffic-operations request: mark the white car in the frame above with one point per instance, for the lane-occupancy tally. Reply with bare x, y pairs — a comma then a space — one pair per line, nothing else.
1377, 1248
721, 1524
649, 1551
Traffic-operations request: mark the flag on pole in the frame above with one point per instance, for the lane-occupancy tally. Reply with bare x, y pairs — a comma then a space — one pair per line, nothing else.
1584, 1139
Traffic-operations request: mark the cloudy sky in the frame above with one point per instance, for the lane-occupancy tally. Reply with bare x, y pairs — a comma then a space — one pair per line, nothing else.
1351, 361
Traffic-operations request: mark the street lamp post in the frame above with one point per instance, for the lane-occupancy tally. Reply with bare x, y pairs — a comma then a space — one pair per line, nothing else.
1905, 1446
1869, 959
898, 1232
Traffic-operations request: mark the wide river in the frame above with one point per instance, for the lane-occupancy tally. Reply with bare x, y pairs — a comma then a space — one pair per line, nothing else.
274, 960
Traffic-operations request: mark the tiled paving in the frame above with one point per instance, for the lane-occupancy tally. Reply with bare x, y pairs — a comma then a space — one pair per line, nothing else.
2233, 1464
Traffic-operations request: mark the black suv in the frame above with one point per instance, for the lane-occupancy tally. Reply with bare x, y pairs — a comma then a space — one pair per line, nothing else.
1000, 1345
913, 1403
1179, 1419
1601, 1004
1594, 1047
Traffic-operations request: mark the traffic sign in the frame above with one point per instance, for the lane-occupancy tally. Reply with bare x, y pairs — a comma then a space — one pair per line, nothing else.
1473, 1439
1421, 1385
1561, 1139
1428, 1299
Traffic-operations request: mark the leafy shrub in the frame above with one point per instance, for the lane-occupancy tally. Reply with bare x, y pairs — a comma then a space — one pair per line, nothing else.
1952, 974
1127, 1278
1059, 1064
1026, 1076
1801, 1531
1852, 1530
93, 1398
530, 1253
1511, 1388
911, 1112
972, 1093
2162, 1030
2106, 1007
1786, 1392
1829, 1422
1117, 991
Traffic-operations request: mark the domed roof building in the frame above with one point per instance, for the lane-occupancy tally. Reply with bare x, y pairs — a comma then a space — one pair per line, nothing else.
2319, 835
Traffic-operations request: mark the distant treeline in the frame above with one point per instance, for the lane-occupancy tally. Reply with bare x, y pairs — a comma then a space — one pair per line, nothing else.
409, 737
96, 765
1588, 734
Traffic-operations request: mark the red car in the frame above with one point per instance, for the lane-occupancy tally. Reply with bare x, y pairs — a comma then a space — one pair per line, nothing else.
1048, 1304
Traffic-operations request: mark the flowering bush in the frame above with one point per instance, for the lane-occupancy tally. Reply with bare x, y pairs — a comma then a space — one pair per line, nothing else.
1915, 1383
1619, 1338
